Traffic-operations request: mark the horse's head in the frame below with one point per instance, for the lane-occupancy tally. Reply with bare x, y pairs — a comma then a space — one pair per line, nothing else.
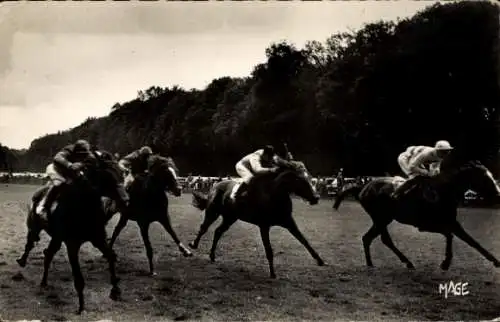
163, 171
475, 176
104, 174
295, 178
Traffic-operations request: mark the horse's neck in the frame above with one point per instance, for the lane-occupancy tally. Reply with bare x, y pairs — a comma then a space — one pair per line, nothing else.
83, 189
153, 183
279, 183
451, 184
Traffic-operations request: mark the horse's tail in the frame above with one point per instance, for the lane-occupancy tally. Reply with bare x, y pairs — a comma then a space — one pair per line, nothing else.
352, 189
200, 200
28, 206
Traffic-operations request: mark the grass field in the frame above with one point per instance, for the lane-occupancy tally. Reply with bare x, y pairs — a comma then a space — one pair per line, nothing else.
237, 286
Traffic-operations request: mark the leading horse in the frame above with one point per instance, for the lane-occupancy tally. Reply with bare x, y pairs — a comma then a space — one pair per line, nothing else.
266, 204
78, 217
149, 203
430, 206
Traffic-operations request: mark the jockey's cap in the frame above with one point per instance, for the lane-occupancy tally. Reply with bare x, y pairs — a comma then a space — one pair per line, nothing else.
82, 146
269, 149
443, 145
145, 150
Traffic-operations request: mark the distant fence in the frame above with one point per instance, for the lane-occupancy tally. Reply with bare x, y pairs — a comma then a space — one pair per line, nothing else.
203, 184
25, 179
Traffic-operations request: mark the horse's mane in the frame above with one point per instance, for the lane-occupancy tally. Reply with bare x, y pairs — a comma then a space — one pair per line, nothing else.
172, 164
104, 155
157, 160
105, 159
291, 165
455, 166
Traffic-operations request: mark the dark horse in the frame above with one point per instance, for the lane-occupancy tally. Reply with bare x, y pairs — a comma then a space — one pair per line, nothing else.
149, 203
266, 204
430, 206
78, 218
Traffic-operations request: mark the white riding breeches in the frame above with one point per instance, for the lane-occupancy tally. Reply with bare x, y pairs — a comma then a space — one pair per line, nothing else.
55, 177
243, 172
404, 164
129, 178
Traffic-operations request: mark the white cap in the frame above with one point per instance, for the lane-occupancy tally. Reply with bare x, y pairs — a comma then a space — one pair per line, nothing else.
443, 145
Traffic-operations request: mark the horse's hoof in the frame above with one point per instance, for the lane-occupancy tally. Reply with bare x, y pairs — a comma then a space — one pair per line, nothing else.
115, 294
410, 266
153, 274
80, 311
43, 284
445, 266
21, 262
273, 276
496, 263
321, 263
212, 258
192, 245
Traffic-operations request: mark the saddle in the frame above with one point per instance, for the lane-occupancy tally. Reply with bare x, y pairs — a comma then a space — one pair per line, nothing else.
419, 187
239, 190
40, 197
256, 188
138, 179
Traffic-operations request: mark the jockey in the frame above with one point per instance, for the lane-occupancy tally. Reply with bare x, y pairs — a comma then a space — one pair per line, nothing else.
67, 162
135, 163
261, 161
421, 161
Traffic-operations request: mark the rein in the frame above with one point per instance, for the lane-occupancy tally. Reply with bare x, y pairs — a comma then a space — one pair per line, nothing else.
286, 170
449, 183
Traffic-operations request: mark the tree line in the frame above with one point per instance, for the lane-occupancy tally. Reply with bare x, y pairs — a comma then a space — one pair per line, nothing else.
354, 101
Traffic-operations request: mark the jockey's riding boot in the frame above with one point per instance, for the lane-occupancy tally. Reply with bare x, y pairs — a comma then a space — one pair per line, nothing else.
128, 184
240, 190
49, 200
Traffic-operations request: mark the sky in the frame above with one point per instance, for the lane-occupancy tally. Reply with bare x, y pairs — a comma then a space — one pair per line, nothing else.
61, 62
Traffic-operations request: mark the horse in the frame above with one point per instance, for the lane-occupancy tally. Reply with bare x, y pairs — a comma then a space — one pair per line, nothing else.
149, 203
78, 217
431, 206
266, 204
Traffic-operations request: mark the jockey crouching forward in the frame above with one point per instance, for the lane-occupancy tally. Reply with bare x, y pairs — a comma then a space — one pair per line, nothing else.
66, 165
258, 162
135, 163
421, 161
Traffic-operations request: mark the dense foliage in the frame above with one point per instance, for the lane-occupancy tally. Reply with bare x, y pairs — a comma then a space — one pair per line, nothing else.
355, 101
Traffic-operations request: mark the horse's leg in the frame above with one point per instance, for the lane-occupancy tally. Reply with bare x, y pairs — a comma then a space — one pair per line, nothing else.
264, 233
109, 254
219, 231
118, 229
294, 230
165, 222
387, 240
459, 231
49, 254
73, 248
144, 228
210, 217
445, 265
31, 238
367, 239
